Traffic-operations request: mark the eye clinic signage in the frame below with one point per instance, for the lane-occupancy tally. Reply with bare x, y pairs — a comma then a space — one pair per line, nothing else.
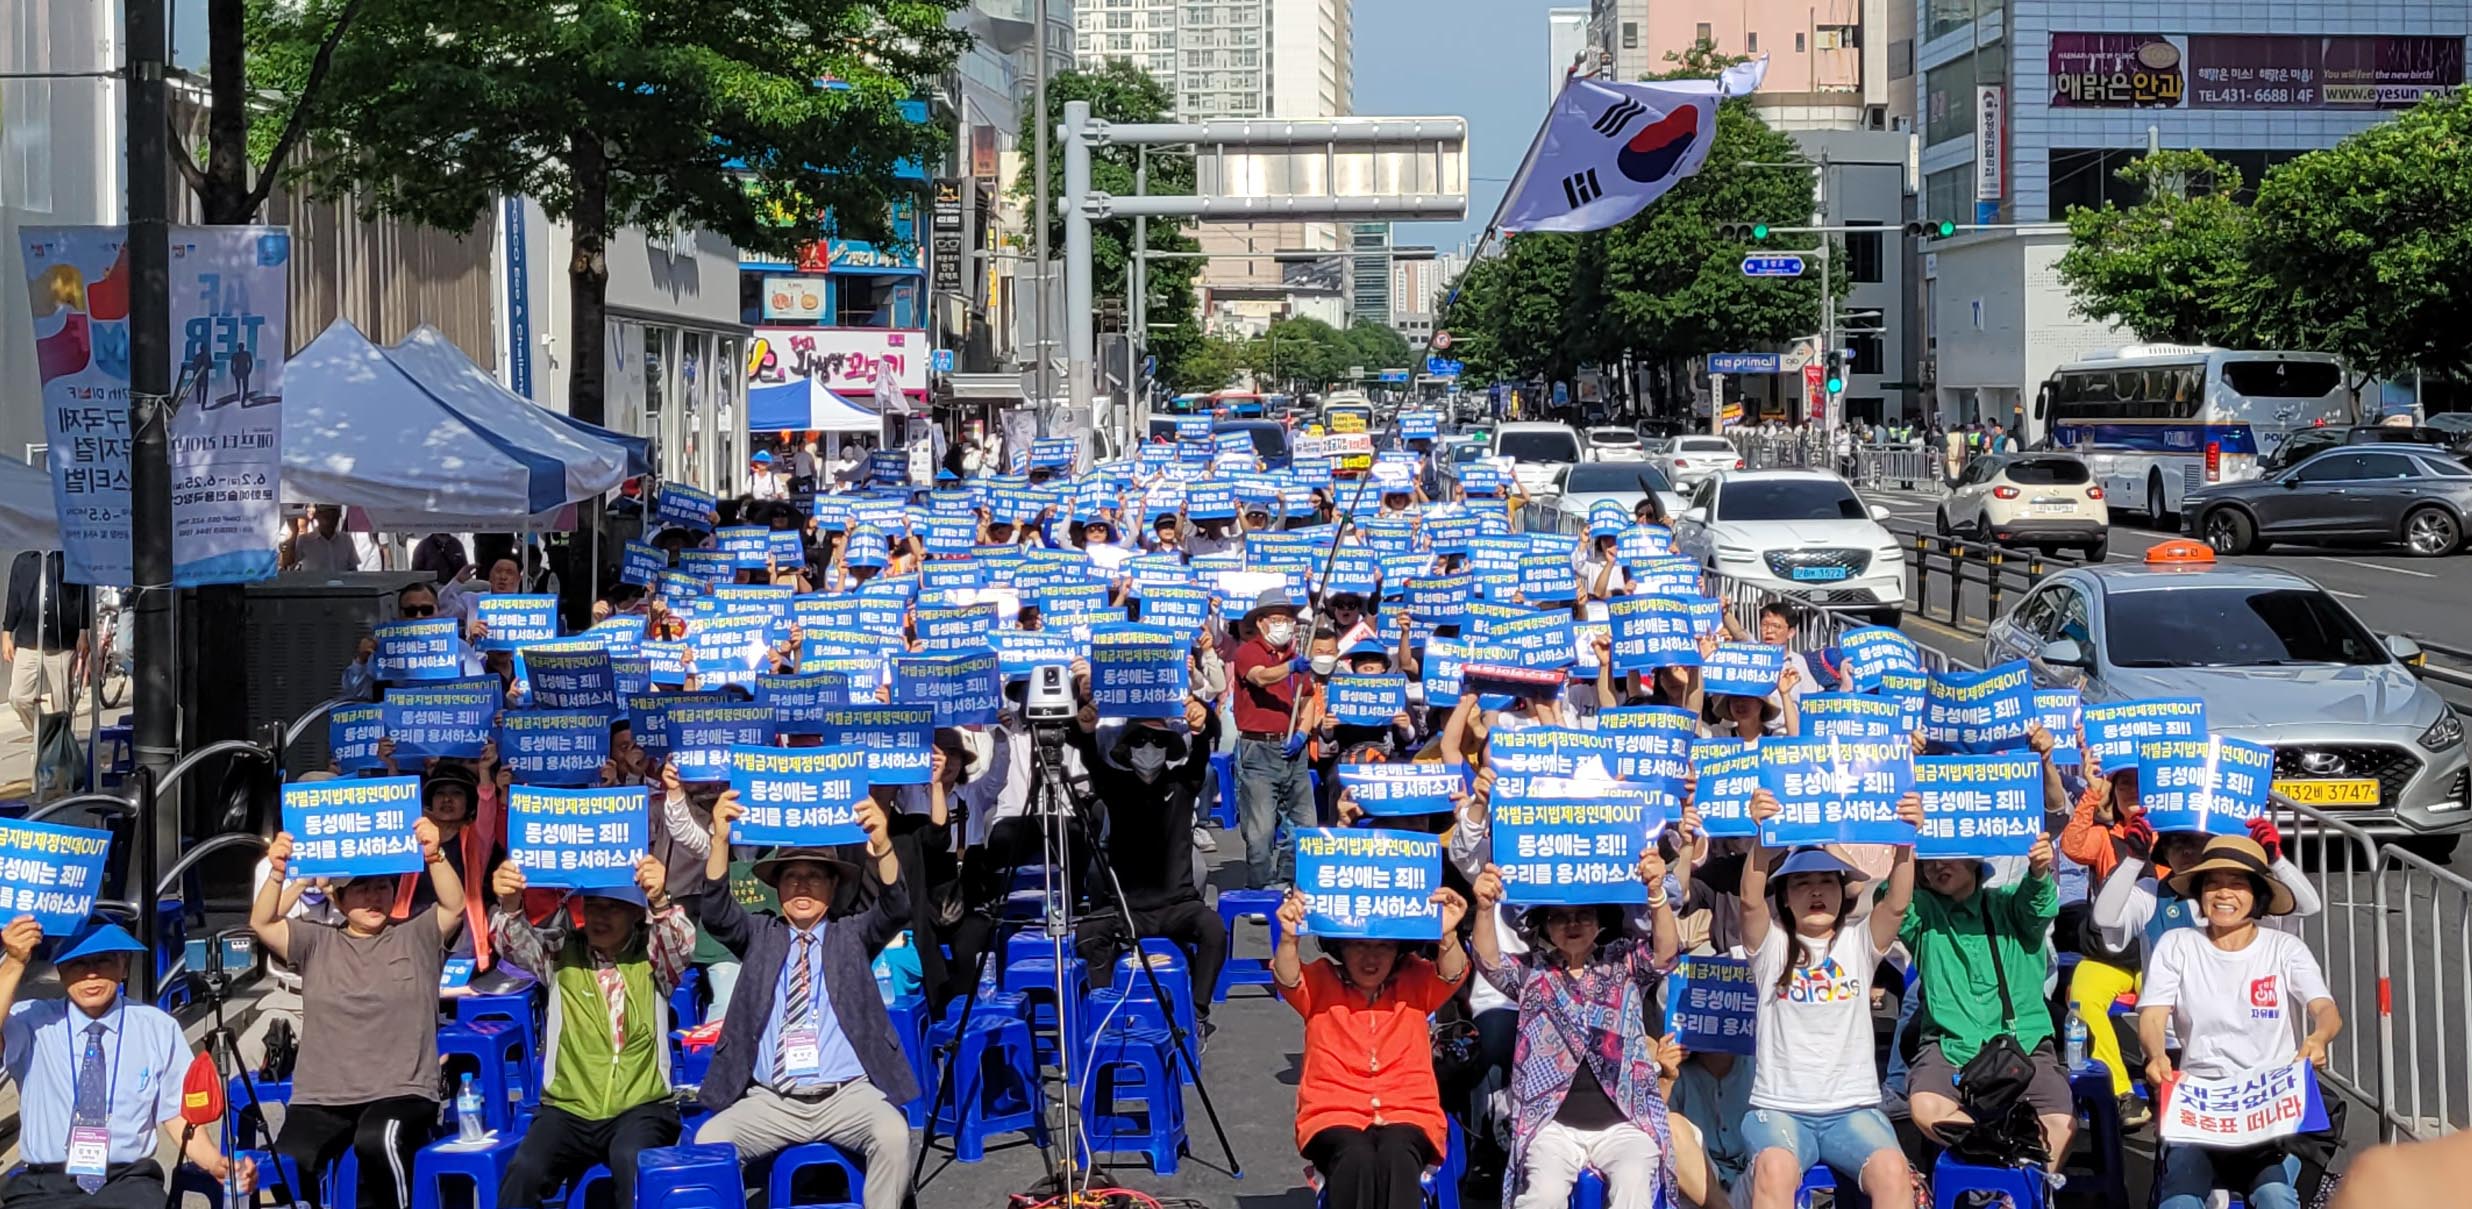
2251, 71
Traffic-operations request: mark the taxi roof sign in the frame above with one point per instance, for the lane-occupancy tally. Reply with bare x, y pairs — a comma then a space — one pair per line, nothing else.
2180, 552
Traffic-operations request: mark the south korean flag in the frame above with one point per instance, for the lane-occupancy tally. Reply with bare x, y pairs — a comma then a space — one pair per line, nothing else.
1609, 149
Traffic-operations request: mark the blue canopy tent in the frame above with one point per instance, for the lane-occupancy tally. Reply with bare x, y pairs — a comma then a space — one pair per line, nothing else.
806, 405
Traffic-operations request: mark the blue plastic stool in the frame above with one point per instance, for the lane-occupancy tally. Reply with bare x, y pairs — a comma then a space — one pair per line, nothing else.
515, 1008
172, 926
484, 1166
997, 1087
112, 771
1848, 1191
909, 1019
690, 1177
2091, 1088
1234, 907
1223, 803
2027, 1187
689, 1063
1128, 1066
249, 1127
339, 1184
1175, 981
687, 999
1589, 1191
780, 1188
1444, 1192
490, 1046
1035, 982
580, 1196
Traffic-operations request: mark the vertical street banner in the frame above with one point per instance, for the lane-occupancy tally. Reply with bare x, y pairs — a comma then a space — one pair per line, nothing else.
1366, 884
807, 796
228, 339
574, 839
351, 828
51, 872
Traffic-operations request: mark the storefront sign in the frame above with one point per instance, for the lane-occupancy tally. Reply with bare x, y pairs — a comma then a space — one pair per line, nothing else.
794, 298
847, 360
2115, 70
2251, 71
1990, 137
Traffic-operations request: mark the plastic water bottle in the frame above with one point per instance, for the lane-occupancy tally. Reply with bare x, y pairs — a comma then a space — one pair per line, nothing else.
468, 1111
2076, 1039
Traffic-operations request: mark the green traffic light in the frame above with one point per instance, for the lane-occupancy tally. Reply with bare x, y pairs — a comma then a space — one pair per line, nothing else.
1759, 231
1836, 386
1947, 228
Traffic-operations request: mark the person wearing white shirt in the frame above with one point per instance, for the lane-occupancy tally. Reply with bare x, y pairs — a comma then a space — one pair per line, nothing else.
2236, 995
326, 546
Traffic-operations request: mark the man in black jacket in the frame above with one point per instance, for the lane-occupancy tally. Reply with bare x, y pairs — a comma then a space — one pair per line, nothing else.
1149, 781
807, 1053
42, 636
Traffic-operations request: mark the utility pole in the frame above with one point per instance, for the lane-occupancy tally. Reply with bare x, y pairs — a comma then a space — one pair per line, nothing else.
156, 731
1038, 227
1137, 313
1828, 291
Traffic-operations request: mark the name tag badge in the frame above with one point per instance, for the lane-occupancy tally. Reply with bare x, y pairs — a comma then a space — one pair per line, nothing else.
802, 1053
90, 1150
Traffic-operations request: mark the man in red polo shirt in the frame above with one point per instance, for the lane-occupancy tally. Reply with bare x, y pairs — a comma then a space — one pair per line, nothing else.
1272, 777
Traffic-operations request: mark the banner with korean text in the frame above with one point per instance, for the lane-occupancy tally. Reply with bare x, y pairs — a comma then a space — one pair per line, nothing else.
51, 872
353, 828
1368, 884
807, 796
577, 838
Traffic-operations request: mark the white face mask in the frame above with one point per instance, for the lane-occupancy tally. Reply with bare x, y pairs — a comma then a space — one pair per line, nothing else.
1278, 633
1323, 665
1148, 760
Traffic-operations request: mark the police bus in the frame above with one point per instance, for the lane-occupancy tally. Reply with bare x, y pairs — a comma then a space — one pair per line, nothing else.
2156, 421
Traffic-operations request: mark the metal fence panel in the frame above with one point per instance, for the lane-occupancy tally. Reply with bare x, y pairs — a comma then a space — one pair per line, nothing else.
2424, 997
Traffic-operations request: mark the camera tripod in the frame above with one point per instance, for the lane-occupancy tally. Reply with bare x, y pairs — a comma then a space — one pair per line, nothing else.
1062, 804
224, 1048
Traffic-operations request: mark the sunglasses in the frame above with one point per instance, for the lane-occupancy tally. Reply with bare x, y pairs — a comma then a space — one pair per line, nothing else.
419, 610
1151, 739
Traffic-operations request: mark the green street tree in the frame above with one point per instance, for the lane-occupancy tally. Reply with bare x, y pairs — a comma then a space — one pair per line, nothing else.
1120, 92
1301, 354
2175, 267
2365, 247
762, 121
1377, 347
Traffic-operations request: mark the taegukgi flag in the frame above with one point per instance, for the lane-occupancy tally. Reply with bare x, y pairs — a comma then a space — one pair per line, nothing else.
1608, 149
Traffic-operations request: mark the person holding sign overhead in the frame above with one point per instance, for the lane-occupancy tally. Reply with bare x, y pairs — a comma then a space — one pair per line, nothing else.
1585, 1084
98, 1079
1368, 1111
1815, 1095
605, 1078
2234, 994
367, 1076
1272, 781
807, 1053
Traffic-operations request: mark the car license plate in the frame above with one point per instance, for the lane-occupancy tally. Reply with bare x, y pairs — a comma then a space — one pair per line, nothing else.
2051, 506
1819, 573
2352, 791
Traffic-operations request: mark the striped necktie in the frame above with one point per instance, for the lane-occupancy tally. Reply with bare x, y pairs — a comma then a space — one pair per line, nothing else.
801, 1005
92, 1108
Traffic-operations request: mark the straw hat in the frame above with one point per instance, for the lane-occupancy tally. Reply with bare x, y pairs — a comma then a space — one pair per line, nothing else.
2237, 854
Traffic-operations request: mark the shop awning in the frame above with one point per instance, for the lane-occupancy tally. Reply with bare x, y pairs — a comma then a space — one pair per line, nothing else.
806, 405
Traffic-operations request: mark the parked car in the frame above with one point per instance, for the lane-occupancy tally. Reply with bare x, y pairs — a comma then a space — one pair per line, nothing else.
1536, 449
2044, 500
1691, 459
2278, 661
1799, 531
1270, 439
2414, 495
1615, 445
2305, 442
1580, 486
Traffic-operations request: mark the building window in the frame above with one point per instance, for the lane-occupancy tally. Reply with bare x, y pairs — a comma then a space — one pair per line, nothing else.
1901, 58
1119, 20
1630, 35
1704, 34
1751, 42
1863, 353
1119, 41
1798, 44
1862, 254
1949, 194
1948, 97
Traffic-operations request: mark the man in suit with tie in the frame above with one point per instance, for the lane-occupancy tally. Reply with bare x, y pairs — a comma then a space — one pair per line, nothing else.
807, 1053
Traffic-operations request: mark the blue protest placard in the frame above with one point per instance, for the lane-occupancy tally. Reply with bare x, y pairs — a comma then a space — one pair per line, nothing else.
966, 689
1638, 544
2055, 710
1851, 716
1836, 791
1712, 1005
1978, 805
353, 733
1181, 609
648, 716
642, 564
949, 535
1873, 649
509, 620
798, 702
450, 721
619, 635
1982, 711
944, 629
701, 736
1742, 669
731, 649
1667, 575
707, 566
1369, 884
1494, 561
787, 547
1538, 641
1651, 742
574, 839
1419, 425
897, 739
1652, 632
1056, 453
2115, 730
351, 828
1550, 751
2212, 784
1909, 690
665, 663
1546, 578
1403, 787
1729, 773
1439, 599
684, 507
1138, 672
425, 649
54, 873
1368, 700
807, 796
1479, 479
777, 602
1018, 651
554, 747
1559, 843
575, 675
1451, 533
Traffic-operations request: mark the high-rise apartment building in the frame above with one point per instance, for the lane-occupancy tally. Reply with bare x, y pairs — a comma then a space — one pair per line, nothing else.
1566, 39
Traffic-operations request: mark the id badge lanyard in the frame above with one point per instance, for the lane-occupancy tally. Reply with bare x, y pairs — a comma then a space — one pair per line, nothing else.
805, 1046
90, 1146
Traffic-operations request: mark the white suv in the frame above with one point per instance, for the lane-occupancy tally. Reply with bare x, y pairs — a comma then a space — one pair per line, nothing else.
1690, 459
2045, 500
1537, 450
1803, 532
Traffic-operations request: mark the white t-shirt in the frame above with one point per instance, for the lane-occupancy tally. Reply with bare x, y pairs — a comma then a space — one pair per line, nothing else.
2233, 1011
1815, 1040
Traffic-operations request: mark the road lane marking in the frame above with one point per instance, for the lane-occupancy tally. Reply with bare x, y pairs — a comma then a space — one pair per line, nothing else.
2354, 562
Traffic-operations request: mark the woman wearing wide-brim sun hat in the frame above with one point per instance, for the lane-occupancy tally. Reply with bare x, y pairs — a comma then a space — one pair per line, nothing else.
2235, 994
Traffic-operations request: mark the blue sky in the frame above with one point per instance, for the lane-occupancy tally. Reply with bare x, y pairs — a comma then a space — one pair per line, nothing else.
1483, 60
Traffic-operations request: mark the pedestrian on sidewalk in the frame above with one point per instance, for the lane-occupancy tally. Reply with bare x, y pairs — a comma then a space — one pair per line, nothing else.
43, 636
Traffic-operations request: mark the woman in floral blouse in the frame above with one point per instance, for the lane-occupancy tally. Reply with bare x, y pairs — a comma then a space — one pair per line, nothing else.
1584, 1078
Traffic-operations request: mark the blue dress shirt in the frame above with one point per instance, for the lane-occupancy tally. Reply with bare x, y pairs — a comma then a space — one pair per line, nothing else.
145, 1060
837, 1062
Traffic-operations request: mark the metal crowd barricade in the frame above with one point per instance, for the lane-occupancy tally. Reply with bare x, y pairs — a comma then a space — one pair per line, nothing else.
2424, 998
1898, 468
2346, 867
